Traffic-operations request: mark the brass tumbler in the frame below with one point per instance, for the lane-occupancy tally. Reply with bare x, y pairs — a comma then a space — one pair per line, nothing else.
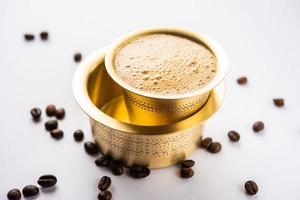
145, 108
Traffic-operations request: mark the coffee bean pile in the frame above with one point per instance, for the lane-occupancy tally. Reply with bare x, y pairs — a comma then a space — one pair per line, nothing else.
30, 37
52, 124
210, 146
186, 170
44, 181
103, 186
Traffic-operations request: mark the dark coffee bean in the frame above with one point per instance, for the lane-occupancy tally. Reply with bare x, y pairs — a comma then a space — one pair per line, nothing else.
104, 183
29, 37
77, 57
206, 142
251, 187
139, 171
47, 180
103, 161
215, 147
105, 195
51, 125
186, 172
258, 126
14, 194
50, 110
242, 80
278, 102
36, 113
30, 190
91, 148
57, 133
78, 135
44, 35
117, 168
60, 113
233, 136
187, 163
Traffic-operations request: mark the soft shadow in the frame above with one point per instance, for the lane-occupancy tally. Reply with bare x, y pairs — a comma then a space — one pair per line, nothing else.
49, 189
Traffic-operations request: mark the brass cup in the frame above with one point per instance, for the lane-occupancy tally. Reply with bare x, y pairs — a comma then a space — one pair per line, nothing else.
154, 146
151, 109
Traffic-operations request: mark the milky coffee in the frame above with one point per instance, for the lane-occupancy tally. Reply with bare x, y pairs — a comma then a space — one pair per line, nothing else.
165, 64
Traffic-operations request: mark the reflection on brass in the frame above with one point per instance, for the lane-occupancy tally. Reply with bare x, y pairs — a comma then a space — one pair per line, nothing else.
154, 146
160, 109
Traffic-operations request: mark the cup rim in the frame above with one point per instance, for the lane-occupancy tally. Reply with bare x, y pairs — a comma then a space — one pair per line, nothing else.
80, 92
211, 44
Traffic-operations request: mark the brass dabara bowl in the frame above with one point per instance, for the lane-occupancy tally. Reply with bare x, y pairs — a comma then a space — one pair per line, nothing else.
155, 146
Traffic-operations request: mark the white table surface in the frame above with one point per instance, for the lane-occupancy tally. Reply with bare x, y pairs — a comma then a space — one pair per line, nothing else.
262, 42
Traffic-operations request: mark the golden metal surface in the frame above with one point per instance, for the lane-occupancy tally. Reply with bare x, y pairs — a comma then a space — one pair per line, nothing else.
154, 146
162, 109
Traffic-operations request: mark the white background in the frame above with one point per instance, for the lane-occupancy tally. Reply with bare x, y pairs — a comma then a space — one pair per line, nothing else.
262, 42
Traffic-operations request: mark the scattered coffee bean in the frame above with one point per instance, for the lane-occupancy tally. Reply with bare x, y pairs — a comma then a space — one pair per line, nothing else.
104, 183
186, 172
279, 102
44, 35
57, 133
251, 187
215, 147
51, 125
117, 168
77, 57
233, 136
29, 37
103, 161
91, 148
60, 113
14, 194
47, 180
105, 195
139, 171
30, 190
78, 135
50, 110
187, 163
36, 113
242, 80
206, 142
258, 126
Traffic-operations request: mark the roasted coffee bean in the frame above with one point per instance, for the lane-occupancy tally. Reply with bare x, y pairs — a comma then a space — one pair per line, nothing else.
36, 113
47, 180
117, 168
30, 190
77, 57
233, 136
44, 35
60, 113
242, 80
139, 171
258, 126
78, 135
251, 187
105, 195
187, 163
104, 183
91, 148
14, 194
29, 37
50, 110
215, 147
206, 142
103, 161
186, 172
279, 102
51, 125
57, 133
